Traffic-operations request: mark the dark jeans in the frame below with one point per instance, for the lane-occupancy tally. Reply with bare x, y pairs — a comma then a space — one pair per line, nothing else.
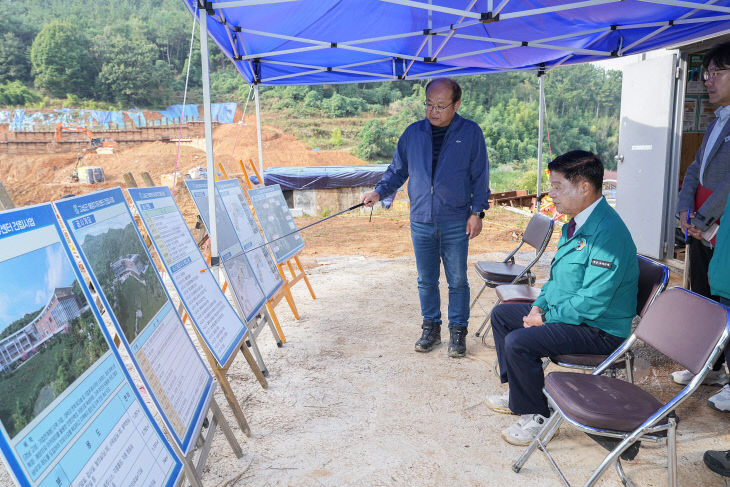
520, 351
434, 243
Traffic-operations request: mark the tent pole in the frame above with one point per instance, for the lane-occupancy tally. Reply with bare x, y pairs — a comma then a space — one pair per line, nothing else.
258, 132
210, 167
541, 117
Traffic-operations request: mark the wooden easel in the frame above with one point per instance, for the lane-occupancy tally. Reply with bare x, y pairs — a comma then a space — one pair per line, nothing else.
295, 277
6, 202
193, 469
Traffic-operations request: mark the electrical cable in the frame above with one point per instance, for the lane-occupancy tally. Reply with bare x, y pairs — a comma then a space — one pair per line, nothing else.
185, 95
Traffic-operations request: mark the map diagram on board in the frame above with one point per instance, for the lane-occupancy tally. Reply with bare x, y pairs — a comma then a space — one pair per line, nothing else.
242, 279
276, 221
249, 235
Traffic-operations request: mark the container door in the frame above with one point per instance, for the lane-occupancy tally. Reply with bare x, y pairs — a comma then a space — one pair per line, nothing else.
646, 145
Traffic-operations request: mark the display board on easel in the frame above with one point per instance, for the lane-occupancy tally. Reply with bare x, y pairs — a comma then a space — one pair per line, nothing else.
111, 248
277, 222
215, 320
69, 411
240, 275
249, 236
252, 241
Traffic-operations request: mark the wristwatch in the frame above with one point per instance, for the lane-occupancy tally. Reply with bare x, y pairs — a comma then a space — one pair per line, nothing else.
480, 214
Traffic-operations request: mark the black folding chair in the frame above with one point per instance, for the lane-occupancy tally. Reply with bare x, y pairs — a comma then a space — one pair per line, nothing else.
620, 413
537, 234
653, 279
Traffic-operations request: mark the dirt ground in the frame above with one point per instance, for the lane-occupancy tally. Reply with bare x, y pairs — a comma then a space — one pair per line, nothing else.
349, 402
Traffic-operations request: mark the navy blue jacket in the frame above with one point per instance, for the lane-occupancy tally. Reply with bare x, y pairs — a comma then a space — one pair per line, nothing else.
460, 184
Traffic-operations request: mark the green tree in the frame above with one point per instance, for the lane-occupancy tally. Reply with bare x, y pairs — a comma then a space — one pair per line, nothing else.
14, 59
131, 73
62, 60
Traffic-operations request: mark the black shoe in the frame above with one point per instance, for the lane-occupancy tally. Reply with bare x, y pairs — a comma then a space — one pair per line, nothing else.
718, 461
430, 338
457, 346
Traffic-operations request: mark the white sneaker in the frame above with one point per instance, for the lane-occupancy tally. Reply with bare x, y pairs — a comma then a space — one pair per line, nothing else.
721, 400
499, 403
524, 430
713, 378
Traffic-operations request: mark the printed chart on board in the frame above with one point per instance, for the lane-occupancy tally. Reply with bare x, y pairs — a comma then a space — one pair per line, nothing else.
241, 277
276, 221
249, 235
214, 317
69, 412
104, 232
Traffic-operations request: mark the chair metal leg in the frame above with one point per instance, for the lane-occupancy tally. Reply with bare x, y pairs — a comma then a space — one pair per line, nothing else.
672, 452
484, 286
547, 432
495, 367
622, 475
484, 324
629, 357
487, 324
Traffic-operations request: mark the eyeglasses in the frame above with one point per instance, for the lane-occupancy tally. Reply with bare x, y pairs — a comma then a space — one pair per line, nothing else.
436, 108
712, 74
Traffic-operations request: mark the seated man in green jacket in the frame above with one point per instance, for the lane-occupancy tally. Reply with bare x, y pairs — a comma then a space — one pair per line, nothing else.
586, 306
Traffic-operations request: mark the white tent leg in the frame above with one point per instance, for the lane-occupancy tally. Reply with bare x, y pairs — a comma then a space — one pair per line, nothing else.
212, 231
258, 132
541, 112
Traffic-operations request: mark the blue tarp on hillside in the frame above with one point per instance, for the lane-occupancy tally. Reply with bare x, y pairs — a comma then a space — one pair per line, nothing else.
174, 112
347, 41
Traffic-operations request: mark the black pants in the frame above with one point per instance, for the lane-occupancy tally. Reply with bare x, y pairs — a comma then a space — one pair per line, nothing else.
699, 261
520, 351
700, 256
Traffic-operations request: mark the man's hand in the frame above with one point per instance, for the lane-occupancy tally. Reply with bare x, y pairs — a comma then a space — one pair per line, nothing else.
533, 318
369, 199
473, 226
691, 230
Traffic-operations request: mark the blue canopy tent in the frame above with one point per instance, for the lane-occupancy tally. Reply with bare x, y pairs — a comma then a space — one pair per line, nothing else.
286, 42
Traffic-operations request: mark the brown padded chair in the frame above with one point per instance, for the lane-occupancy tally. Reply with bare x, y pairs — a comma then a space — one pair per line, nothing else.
537, 234
617, 410
653, 279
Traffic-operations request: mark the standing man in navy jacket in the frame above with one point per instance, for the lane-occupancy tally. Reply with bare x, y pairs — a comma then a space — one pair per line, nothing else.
444, 159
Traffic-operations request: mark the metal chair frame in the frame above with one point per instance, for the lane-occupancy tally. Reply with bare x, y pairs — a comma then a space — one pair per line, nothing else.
525, 275
650, 429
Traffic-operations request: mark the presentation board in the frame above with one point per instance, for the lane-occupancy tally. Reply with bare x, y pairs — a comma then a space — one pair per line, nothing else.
103, 230
211, 313
69, 411
276, 221
249, 236
241, 277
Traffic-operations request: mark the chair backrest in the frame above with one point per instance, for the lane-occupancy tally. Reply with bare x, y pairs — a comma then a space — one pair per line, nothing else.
653, 279
685, 327
538, 232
